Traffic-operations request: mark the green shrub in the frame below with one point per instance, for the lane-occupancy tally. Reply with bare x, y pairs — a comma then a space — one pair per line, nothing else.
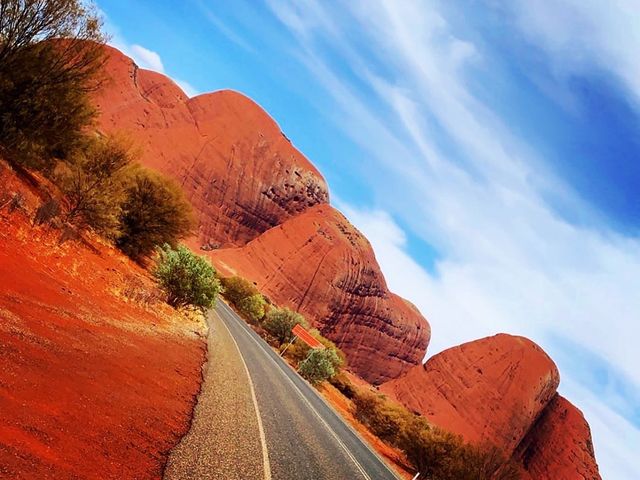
187, 279
299, 350
51, 58
320, 365
280, 321
441, 455
342, 358
435, 453
237, 288
384, 418
252, 307
154, 211
93, 183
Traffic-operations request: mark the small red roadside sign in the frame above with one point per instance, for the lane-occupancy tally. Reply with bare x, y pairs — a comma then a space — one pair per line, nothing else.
302, 333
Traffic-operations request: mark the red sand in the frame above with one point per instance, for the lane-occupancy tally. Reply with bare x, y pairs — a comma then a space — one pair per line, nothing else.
97, 375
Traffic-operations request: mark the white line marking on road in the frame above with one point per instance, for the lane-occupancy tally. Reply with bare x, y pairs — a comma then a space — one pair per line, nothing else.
263, 438
328, 427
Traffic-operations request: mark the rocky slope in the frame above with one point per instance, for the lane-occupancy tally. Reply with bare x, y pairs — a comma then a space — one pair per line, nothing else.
263, 214
319, 264
559, 445
241, 173
502, 390
244, 177
491, 389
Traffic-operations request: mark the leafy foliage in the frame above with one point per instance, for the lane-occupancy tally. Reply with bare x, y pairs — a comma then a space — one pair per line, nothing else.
441, 455
187, 279
253, 307
384, 418
435, 453
280, 321
320, 365
154, 211
237, 288
299, 350
93, 182
50, 59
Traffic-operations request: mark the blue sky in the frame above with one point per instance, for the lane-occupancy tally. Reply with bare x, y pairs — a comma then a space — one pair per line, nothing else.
488, 149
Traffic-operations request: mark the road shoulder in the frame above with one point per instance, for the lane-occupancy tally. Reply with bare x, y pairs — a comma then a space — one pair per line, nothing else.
224, 441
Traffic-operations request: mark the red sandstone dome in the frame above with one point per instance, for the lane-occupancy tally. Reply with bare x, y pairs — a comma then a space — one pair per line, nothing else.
558, 446
240, 172
244, 177
488, 390
253, 190
320, 265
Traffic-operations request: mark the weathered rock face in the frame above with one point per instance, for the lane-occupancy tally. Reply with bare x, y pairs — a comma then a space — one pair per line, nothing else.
320, 265
260, 197
238, 169
488, 390
558, 446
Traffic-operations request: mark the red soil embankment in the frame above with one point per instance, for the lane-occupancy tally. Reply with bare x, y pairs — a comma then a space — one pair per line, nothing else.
97, 375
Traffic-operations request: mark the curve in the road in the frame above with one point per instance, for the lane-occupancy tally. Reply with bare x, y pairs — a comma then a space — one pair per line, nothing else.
257, 419
304, 399
292, 409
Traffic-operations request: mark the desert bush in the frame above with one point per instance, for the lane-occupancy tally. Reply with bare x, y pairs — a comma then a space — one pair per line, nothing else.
154, 211
47, 212
299, 350
186, 278
50, 59
344, 385
441, 455
14, 202
93, 183
280, 321
435, 453
320, 365
252, 307
237, 288
135, 290
485, 462
342, 358
383, 417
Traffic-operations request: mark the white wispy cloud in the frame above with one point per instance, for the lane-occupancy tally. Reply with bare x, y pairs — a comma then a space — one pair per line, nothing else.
582, 34
142, 56
508, 262
146, 58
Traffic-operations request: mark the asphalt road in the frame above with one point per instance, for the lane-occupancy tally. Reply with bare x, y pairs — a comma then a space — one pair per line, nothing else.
225, 440
302, 437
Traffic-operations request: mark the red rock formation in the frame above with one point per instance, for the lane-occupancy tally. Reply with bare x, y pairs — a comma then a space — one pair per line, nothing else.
241, 173
558, 446
489, 390
320, 265
249, 184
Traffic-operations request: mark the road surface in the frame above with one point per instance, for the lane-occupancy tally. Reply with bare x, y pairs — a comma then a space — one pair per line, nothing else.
284, 428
